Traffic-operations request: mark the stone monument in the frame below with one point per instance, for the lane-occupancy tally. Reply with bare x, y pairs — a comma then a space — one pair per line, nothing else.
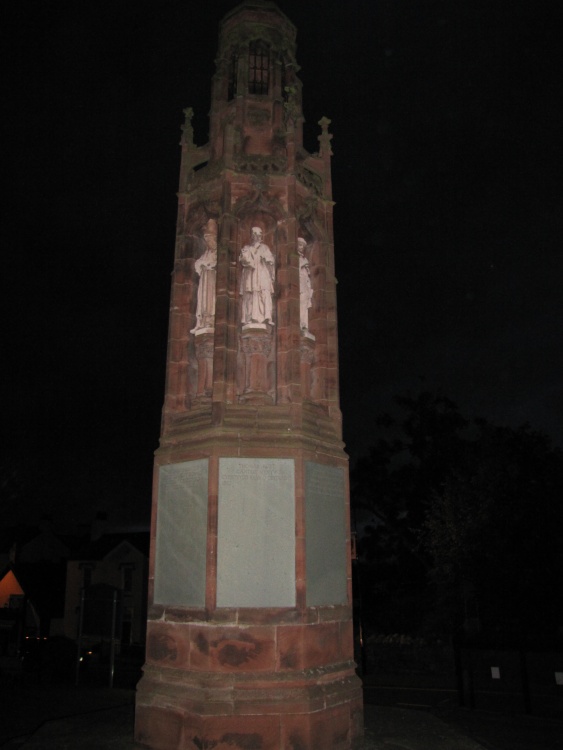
249, 633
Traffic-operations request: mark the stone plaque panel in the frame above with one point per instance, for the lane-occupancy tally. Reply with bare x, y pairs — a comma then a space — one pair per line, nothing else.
256, 533
325, 508
181, 534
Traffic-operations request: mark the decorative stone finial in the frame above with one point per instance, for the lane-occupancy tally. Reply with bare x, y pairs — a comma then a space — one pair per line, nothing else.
325, 137
187, 129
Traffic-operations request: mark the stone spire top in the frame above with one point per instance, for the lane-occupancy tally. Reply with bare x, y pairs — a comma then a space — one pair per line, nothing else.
256, 91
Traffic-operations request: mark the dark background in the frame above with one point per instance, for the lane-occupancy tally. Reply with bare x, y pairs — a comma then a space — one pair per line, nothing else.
447, 180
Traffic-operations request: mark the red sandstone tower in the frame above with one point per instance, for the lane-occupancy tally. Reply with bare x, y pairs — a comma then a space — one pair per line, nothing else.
249, 640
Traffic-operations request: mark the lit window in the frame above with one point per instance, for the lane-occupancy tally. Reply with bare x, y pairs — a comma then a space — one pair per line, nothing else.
258, 68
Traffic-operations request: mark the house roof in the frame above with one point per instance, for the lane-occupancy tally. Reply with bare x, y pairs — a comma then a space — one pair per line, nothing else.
23, 534
100, 548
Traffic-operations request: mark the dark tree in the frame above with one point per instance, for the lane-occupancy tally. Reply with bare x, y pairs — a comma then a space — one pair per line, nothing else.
459, 524
391, 490
493, 531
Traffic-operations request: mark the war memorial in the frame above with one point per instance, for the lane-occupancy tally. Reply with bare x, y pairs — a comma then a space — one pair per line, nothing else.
249, 633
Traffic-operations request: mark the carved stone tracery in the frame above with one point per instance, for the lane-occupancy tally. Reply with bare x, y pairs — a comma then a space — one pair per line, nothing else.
309, 179
257, 163
257, 344
307, 352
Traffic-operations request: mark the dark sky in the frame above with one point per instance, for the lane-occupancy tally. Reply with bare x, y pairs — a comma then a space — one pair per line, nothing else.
447, 175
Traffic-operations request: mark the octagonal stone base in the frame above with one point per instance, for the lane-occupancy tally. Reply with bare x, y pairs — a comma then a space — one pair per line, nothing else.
211, 686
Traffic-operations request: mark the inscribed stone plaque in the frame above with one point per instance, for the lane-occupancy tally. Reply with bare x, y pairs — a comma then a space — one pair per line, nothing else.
256, 533
181, 534
325, 504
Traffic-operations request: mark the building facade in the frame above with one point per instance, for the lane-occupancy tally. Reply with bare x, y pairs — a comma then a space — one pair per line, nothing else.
118, 561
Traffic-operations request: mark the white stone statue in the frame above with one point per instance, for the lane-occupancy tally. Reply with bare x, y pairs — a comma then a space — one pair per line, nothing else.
205, 266
257, 280
305, 288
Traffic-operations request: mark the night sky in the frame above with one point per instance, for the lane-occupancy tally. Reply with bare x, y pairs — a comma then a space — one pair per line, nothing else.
447, 175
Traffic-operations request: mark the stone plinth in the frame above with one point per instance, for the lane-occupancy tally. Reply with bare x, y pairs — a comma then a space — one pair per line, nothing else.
204, 356
256, 348
251, 684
